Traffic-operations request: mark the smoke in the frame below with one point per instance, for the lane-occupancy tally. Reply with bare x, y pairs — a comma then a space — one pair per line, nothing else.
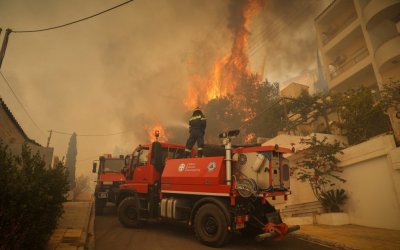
286, 46
283, 37
130, 68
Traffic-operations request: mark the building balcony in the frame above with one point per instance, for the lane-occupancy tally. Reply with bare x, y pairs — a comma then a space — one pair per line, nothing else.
333, 38
357, 57
334, 20
354, 73
388, 53
378, 10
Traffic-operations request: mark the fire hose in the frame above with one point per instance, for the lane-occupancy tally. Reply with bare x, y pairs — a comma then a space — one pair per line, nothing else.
276, 233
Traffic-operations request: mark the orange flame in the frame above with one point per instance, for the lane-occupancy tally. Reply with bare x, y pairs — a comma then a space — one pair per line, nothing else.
151, 132
227, 71
249, 138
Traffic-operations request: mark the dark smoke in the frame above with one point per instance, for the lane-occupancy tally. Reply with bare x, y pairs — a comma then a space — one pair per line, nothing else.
287, 41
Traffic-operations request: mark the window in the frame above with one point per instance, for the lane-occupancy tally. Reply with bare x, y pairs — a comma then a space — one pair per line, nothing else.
143, 156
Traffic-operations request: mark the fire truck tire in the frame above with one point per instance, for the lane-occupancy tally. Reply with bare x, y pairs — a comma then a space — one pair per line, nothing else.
211, 226
127, 213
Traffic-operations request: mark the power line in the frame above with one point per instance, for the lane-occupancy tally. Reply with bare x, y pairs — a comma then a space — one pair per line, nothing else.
90, 135
54, 131
20, 103
73, 22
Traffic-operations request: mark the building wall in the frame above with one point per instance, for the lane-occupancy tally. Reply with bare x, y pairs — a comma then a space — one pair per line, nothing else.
293, 90
373, 183
360, 45
45, 153
14, 137
372, 173
8, 131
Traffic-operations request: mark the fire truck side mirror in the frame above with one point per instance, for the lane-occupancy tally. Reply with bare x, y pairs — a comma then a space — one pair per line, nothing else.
127, 160
94, 167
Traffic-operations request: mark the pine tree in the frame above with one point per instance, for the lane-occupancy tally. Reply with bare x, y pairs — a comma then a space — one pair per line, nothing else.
70, 160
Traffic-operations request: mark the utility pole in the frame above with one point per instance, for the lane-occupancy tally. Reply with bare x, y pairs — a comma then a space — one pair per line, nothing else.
4, 46
48, 139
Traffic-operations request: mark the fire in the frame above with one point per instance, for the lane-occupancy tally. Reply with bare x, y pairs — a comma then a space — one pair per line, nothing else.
228, 70
249, 137
151, 132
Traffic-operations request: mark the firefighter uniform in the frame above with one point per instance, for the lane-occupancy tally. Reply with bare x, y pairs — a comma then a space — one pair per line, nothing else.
197, 126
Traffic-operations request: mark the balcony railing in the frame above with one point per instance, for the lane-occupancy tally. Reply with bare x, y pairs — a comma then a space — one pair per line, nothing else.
357, 56
331, 33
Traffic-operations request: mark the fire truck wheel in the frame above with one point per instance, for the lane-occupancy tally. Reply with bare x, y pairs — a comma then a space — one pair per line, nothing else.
127, 213
211, 226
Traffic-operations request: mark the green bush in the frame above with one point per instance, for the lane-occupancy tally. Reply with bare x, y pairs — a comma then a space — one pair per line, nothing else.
332, 200
31, 199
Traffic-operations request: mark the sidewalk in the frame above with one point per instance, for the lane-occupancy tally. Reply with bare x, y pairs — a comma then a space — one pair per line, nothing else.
350, 237
73, 227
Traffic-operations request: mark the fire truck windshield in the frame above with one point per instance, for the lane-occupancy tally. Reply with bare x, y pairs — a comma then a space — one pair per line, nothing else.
113, 165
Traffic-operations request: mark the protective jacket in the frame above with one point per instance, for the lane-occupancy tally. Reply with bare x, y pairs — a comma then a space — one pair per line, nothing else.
197, 121
197, 127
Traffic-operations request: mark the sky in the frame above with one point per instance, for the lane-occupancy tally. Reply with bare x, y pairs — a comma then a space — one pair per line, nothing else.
128, 69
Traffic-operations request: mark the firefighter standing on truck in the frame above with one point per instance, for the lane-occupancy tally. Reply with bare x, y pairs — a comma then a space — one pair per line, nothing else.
197, 127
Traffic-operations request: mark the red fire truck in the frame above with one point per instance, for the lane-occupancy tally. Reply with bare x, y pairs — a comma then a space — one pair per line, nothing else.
109, 178
216, 195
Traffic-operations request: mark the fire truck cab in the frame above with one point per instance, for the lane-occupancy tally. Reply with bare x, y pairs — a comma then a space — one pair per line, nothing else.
216, 195
109, 178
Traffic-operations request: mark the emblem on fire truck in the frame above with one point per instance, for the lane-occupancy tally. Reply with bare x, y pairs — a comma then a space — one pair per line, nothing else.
181, 167
212, 166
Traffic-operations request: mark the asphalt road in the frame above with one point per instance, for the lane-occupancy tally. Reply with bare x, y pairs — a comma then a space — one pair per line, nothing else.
111, 235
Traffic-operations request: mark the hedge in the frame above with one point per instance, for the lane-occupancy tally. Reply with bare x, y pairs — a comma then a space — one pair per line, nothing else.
31, 199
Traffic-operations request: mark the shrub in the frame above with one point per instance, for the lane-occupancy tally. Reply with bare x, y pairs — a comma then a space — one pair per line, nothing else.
31, 199
332, 200
319, 165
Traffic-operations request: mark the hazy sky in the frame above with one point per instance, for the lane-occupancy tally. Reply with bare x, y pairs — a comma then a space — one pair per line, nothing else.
128, 68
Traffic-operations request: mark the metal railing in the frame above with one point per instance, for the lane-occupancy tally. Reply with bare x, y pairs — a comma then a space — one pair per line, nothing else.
328, 35
356, 57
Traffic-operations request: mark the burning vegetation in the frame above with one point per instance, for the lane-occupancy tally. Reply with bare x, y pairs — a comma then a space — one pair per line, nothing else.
229, 94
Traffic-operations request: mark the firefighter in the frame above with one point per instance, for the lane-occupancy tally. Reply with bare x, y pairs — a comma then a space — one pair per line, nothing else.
197, 126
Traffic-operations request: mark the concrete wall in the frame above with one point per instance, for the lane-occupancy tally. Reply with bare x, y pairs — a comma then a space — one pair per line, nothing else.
373, 183
372, 171
45, 153
9, 133
14, 137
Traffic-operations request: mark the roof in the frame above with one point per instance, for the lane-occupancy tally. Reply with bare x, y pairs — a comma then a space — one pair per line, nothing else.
15, 122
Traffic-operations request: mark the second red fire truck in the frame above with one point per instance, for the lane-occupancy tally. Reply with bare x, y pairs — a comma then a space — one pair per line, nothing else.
109, 178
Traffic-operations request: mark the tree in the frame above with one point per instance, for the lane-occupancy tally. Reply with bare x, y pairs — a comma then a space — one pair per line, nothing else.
390, 95
361, 116
70, 160
221, 116
319, 165
81, 184
253, 107
268, 110
31, 199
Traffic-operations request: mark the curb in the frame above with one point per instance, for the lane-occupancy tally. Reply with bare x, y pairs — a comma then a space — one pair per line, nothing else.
88, 237
316, 240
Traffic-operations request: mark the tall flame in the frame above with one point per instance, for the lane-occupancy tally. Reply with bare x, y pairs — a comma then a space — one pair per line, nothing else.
227, 71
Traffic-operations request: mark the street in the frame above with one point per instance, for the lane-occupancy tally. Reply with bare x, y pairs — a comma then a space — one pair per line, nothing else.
110, 234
